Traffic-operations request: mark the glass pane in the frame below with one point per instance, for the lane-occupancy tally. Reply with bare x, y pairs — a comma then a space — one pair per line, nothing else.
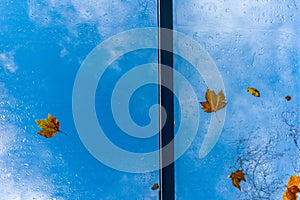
45, 48
239, 45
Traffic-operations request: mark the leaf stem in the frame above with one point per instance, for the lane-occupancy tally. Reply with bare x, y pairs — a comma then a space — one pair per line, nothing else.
217, 117
63, 132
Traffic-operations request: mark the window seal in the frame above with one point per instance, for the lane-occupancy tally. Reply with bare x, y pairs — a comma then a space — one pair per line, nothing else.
166, 99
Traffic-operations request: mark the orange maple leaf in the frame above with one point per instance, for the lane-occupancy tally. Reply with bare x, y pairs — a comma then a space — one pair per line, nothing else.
49, 126
292, 188
237, 177
214, 102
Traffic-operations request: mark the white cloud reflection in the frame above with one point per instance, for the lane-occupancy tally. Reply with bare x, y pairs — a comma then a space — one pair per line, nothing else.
7, 61
235, 15
110, 17
20, 179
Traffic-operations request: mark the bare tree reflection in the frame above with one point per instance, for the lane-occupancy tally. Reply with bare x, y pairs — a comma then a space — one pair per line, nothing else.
268, 158
291, 120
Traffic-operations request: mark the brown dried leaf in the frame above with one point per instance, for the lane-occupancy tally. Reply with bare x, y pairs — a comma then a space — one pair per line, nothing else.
214, 102
292, 188
237, 177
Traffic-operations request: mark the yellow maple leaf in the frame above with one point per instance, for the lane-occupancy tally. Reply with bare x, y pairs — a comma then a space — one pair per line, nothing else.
214, 102
49, 126
237, 177
292, 188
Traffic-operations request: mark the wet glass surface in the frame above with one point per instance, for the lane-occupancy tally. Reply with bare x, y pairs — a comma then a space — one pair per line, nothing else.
254, 44
222, 45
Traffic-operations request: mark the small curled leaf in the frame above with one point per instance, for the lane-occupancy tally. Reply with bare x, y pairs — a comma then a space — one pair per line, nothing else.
155, 186
253, 91
288, 98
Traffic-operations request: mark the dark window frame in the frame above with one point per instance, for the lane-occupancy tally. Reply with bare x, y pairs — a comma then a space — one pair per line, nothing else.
166, 99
